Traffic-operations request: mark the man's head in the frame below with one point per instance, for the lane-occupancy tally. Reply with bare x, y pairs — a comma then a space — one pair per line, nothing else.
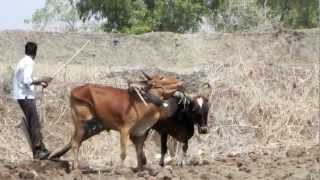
31, 49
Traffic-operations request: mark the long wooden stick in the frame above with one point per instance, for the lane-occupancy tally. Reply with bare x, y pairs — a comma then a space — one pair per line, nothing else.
69, 60
43, 98
43, 106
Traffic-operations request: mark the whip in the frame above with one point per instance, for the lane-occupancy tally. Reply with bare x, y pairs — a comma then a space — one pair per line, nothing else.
69, 60
43, 97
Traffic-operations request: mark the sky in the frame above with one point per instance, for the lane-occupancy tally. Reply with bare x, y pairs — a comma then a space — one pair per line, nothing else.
14, 12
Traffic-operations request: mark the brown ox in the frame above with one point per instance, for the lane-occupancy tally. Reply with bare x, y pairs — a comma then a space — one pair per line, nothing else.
96, 108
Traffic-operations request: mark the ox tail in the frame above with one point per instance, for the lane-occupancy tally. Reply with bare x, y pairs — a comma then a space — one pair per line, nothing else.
60, 152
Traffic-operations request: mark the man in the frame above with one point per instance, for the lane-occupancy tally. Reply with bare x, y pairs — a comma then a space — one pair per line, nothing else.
23, 92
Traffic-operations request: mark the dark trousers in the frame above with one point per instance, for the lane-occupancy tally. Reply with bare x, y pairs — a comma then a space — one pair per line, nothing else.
29, 109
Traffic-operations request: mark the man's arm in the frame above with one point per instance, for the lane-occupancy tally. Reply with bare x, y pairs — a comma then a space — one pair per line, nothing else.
27, 77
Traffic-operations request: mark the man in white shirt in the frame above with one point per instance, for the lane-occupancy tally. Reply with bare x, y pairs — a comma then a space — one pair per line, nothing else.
23, 92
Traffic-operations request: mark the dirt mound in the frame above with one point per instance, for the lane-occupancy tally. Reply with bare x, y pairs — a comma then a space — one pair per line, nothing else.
168, 51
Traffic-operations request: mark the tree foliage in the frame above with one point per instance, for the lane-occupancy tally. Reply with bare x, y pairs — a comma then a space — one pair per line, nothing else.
56, 11
178, 15
139, 16
144, 15
295, 13
233, 15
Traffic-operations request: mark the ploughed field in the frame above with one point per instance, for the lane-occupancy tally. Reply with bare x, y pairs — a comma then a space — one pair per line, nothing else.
263, 119
299, 163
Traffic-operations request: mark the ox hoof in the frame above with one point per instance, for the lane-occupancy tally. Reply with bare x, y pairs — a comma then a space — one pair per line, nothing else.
144, 161
181, 163
139, 168
136, 169
161, 163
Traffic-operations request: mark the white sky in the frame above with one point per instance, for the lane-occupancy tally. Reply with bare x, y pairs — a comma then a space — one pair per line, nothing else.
14, 12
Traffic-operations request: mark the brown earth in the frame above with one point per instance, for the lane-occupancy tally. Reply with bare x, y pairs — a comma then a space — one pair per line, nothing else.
264, 115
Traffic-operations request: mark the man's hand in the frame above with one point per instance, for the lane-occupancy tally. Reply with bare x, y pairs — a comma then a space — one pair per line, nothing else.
44, 84
44, 81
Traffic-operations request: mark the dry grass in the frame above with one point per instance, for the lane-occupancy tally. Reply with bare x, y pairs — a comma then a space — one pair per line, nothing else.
253, 105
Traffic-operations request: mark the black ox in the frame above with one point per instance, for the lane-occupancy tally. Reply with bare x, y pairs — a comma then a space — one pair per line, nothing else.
188, 112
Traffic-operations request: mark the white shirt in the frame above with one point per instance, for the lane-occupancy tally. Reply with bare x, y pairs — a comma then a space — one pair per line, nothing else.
22, 81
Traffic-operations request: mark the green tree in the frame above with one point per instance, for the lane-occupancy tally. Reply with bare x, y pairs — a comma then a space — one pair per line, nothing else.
239, 15
60, 12
295, 13
235, 15
137, 16
179, 15
120, 15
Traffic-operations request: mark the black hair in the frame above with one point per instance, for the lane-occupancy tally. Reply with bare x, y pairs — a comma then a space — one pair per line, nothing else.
31, 49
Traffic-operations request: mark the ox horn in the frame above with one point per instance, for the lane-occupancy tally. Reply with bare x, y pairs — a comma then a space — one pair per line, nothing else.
146, 75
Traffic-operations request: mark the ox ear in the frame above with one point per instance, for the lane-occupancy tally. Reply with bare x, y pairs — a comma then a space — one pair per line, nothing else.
146, 76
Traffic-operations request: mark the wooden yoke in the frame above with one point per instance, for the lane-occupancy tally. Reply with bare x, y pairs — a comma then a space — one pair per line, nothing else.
163, 86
